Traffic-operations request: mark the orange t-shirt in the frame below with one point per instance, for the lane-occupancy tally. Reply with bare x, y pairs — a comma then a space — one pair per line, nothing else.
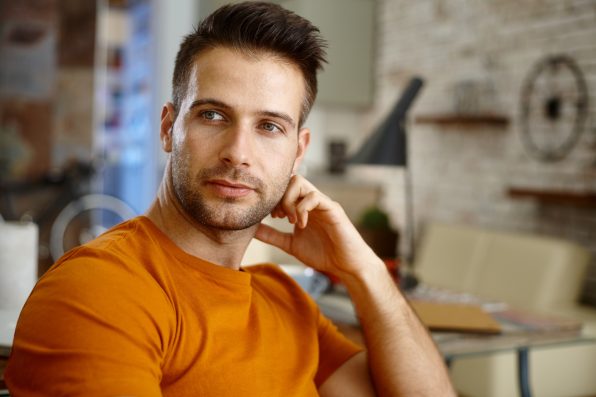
132, 314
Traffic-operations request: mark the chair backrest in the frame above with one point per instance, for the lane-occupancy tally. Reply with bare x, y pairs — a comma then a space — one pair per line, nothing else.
524, 270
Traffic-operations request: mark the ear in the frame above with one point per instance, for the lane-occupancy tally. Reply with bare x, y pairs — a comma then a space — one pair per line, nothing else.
168, 116
303, 141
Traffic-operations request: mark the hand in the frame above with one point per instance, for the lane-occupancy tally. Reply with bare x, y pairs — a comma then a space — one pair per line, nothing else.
400, 353
323, 237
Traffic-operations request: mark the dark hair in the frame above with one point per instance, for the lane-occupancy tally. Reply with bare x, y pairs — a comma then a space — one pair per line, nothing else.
252, 27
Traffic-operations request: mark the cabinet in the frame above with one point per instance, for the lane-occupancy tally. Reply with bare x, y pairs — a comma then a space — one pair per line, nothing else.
347, 25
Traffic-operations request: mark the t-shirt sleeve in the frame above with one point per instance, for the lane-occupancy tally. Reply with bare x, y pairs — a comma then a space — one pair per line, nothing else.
334, 349
89, 329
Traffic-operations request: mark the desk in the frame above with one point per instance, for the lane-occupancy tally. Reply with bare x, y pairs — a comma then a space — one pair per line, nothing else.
453, 346
458, 345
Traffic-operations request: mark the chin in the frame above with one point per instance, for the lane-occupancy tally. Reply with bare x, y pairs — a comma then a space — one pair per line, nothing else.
229, 221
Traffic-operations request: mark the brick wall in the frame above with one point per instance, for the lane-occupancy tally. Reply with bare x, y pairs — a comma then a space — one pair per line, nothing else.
461, 174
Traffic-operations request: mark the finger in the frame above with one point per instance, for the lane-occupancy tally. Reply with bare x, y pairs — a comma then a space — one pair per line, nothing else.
278, 211
287, 203
315, 200
308, 203
297, 189
269, 235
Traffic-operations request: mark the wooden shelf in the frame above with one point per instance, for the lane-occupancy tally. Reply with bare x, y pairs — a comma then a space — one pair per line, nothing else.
585, 199
464, 120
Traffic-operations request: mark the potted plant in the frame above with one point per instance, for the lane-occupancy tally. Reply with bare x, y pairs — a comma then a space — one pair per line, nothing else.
375, 229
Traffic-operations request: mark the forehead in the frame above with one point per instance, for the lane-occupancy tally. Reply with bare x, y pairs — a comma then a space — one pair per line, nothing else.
247, 80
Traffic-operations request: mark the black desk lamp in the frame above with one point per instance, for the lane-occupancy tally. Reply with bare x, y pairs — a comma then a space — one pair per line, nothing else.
388, 145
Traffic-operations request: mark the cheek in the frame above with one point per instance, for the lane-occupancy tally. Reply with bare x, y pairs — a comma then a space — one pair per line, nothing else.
280, 150
178, 149
184, 160
279, 160
176, 140
279, 167
191, 147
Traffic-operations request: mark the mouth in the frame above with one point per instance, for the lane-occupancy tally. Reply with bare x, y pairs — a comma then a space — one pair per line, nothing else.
228, 189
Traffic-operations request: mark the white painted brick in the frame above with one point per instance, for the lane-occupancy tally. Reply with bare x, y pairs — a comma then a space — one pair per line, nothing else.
462, 174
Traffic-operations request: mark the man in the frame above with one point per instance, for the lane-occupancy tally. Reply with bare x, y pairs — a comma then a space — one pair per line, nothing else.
159, 305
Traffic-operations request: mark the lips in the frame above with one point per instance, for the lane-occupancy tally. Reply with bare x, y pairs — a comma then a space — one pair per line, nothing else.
228, 189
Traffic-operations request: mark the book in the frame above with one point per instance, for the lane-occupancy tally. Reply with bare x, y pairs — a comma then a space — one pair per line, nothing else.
454, 317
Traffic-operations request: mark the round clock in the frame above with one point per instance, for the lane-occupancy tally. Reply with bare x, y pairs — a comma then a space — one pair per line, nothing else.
554, 108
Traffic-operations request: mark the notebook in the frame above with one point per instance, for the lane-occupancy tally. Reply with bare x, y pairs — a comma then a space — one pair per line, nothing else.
453, 317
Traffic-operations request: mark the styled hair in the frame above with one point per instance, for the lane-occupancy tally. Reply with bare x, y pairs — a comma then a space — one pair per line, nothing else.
253, 28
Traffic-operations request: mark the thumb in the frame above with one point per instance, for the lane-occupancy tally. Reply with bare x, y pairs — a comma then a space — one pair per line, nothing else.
269, 235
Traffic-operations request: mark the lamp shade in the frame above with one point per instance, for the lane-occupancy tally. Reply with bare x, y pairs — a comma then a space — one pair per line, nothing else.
388, 143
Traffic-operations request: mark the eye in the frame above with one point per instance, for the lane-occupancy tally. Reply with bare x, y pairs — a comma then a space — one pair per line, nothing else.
211, 115
270, 127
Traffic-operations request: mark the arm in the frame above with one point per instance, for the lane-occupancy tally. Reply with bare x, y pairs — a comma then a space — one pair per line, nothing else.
402, 358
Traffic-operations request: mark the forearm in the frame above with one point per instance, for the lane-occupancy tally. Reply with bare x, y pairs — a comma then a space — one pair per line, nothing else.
403, 358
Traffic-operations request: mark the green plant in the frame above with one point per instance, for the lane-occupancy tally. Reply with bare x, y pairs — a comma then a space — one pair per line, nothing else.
374, 218
375, 229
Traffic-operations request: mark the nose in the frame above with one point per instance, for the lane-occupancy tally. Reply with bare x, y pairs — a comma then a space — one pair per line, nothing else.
236, 146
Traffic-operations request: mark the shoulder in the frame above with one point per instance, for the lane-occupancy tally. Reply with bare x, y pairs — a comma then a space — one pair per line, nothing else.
120, 249
127, 239
115, 267
96, 300
102, 285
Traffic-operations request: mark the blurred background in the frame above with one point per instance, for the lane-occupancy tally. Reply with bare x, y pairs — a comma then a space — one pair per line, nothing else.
501, 136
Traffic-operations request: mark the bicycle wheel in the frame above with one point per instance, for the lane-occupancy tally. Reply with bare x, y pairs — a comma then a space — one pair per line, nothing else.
84, 218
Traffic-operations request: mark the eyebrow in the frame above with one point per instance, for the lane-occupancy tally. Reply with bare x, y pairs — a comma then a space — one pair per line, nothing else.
209, 101
223, 105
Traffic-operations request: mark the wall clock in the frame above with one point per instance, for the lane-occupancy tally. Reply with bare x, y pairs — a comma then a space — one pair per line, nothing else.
554, 108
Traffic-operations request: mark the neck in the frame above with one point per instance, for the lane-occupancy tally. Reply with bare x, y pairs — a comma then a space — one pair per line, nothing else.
221, 247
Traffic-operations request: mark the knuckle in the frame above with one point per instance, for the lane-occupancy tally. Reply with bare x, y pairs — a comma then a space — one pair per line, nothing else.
313, 194
337, 206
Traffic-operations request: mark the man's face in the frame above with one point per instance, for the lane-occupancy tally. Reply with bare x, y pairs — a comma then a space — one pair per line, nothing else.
235, 142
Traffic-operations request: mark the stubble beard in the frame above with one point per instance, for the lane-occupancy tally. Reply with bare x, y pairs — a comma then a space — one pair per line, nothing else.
225, 213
